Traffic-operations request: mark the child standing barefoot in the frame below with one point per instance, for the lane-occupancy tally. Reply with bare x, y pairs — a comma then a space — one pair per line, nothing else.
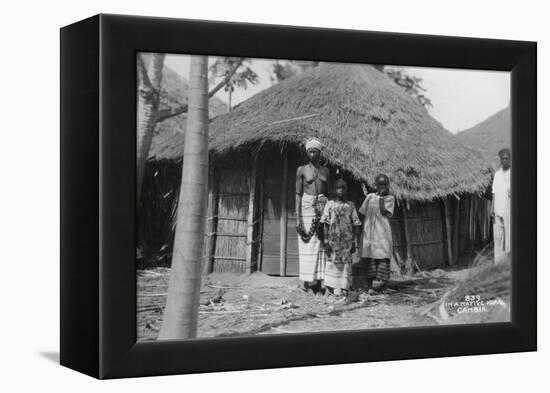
377, 245
342, 229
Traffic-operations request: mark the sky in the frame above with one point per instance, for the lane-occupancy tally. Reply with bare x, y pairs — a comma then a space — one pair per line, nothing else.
460, 98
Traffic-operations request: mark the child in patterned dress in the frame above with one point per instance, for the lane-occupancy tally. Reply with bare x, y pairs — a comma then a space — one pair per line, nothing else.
342, 229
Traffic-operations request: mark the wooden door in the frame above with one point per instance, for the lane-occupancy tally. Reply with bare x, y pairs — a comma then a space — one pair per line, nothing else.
279, 238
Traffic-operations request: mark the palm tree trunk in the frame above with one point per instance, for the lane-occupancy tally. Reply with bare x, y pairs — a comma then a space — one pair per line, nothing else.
182, 305
147, 108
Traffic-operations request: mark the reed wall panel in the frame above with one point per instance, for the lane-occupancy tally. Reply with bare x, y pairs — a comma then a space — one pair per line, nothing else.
475, 226
426, 234
233, 198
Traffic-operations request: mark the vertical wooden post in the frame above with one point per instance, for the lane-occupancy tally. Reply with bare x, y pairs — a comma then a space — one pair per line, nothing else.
456, 231
211, 219
484, 224
471, 219
260, 234
409, 261
467, 216
474, 219
487, 218
284, 215
250, 219
448, 235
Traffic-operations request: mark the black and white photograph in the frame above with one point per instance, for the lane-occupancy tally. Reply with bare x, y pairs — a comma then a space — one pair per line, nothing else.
281, 196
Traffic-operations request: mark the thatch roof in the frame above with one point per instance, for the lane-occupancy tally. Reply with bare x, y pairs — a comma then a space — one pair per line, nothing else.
368, 124
490, 136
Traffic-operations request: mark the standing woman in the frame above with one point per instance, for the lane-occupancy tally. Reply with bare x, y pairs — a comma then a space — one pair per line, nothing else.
377, 239
312, 182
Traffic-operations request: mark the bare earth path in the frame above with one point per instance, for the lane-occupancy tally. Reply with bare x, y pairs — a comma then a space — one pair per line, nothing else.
244, 305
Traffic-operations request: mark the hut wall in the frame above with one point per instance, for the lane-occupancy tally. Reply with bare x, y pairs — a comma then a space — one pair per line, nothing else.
475, 227
231, 231
271, 233
426, 235
486, 232
398, 235
292, 262
156, 216
275, 201
226, 243
464, 243
157, 213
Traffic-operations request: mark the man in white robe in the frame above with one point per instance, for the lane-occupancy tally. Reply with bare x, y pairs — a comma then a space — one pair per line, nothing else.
501, 206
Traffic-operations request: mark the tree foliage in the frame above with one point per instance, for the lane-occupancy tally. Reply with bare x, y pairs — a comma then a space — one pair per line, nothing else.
284, 69
240, 79
412, 85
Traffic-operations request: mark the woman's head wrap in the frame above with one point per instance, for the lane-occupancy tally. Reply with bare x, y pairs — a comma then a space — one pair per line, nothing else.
314, 144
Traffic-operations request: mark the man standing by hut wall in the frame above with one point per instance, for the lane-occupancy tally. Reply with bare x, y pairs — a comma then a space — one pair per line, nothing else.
501, 206
312, 182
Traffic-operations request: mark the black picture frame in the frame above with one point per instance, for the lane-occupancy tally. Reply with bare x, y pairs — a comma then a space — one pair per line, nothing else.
98, 118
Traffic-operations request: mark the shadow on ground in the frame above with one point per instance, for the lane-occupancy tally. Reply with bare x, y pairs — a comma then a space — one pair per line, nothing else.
52, 356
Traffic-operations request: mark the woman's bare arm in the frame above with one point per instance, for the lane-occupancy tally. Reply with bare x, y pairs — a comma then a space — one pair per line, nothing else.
299, 192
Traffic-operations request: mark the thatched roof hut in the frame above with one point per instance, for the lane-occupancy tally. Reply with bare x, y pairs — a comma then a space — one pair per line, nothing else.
489, 136
368, 125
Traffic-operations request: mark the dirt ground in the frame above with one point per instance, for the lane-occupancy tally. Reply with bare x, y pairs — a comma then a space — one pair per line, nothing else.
243, 305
